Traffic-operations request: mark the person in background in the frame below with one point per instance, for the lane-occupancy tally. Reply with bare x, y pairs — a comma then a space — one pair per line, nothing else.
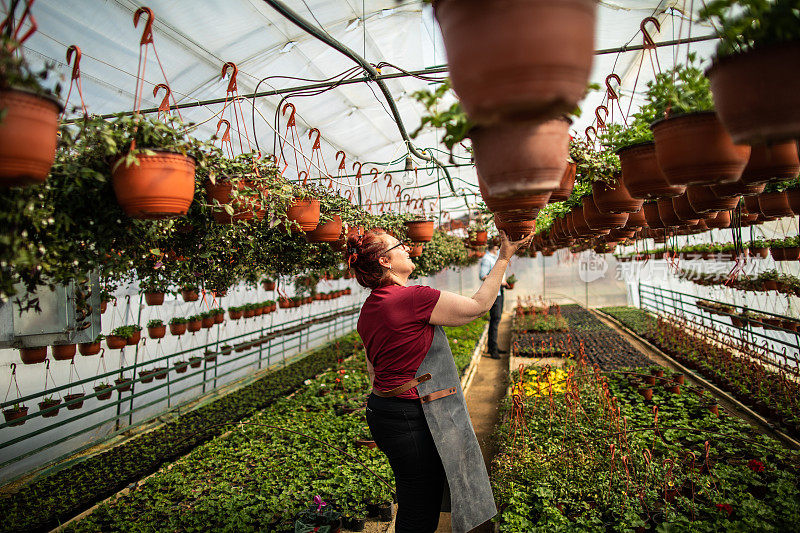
496, 312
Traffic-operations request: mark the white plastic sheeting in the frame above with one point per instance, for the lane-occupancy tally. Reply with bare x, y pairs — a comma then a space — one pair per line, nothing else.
194, 38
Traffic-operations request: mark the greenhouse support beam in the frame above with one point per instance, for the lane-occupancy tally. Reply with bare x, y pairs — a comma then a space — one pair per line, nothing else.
372, 74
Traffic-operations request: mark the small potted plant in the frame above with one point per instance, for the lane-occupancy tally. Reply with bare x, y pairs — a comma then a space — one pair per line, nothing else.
189, 294
195, 361
156, 329
235, 312
123, 383
181, 366
195, 323
219, 315
48, 402
226, 349
15, 412
103, 391
177, 325
33, 355
153, 291
118, 338
160, 372
510, 281
64, 352
146, 376
268, 284
75, 396
208, 319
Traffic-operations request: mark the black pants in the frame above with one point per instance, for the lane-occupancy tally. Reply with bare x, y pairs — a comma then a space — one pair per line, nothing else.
399, 428
494, 322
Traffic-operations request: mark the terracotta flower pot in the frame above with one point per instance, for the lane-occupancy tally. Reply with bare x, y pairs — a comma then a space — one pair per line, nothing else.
147, 376
521, 158
777, 162
775, 204
115, 342
793, 197
736, 189
327, 231
64, 352
720, 221
419, 230
703, 200
47, 405
32, 356
621, 234
219, 318
416, 250
641, 174
246, 205
125, 382
647, 394
208, 321
611, 198
303, 215
514, 229
564, 188
194, 325
71, 397
597, 220
154, 298
13, 414
181, 366
190, 296
89, 348
636, 220
530, 59
177, 329
695, 149
235, 315
28, 135
157, 332
683, 210
651, 215
479, 240
755, 94
134, 338
530, 203
777, 255
160, 186
755, 251
667, 214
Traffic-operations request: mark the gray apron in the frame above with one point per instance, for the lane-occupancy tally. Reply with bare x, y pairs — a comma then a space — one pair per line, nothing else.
470, 499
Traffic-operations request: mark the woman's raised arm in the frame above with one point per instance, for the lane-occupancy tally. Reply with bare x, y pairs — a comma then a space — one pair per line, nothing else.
455, 310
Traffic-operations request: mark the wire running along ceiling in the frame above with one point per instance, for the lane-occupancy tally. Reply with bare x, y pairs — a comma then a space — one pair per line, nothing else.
195, 38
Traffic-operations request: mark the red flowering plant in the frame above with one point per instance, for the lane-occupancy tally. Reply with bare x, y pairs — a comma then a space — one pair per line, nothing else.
755, 465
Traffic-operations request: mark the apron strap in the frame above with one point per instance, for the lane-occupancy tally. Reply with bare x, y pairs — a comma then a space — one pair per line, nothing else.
402, 388
437, 395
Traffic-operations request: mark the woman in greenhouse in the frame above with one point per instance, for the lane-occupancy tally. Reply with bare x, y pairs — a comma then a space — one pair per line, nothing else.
416, 412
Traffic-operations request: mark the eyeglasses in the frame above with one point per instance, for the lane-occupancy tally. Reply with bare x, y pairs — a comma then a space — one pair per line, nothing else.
395, 246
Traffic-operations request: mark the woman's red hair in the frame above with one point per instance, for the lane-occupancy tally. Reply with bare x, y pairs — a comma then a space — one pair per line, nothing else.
362, 254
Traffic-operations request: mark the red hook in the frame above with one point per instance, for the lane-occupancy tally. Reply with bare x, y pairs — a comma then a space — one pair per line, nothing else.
375, 172
311, 132
232, 82
349, 195
164, 105
594, 131
291, 121
226, 137
358, 170
76, 68
610, 91
341, 163
399, 190
368, 204
649, 43
601, 121
147, 34
304, 174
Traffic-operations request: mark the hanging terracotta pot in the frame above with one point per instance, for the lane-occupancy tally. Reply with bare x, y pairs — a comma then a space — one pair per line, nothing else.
516, 228
737, 188
34, 355
415, 250
703, 200
528, 203
597, 220
419, 230
190, 295
751, 204
521, 158
695, 149
160, 186
157, 332
326, 231
651, 215
773, 162
641, 174
479, 239
177, 329
28, 135
89, 348
755, 94
47, 404
793, 197
620, 234
529, 59
116, 342
70, 397
612, 197
774, 204
245, 206
564, 188
303, 215
636, 220
194, 325
666, 212
154, 298
64, 352
721, 220
684, 211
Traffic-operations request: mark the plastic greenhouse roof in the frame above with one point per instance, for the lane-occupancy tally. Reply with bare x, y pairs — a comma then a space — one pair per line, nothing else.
194, 38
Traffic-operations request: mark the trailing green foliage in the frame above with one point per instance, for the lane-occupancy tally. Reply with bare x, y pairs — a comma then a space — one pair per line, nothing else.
682, 89
744, 25
442, 251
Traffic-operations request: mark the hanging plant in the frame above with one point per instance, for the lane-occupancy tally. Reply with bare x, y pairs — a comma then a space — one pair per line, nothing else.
755, 92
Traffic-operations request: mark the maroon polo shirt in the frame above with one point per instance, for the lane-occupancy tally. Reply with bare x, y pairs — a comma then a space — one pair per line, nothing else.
394, 328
